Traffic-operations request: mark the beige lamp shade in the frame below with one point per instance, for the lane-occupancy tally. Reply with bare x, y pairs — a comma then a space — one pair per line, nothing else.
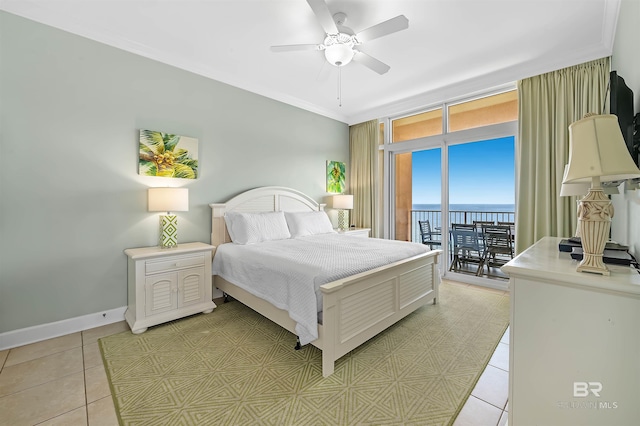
168, 199
597, 149
343, 201
573, 188
581, 188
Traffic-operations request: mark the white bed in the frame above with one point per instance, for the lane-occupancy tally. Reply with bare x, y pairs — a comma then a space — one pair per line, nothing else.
355, 308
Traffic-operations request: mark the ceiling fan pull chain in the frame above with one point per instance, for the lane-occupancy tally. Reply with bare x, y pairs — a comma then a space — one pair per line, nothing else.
339, 86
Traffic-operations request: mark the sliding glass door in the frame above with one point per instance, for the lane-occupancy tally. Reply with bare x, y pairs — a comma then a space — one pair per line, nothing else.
454, 164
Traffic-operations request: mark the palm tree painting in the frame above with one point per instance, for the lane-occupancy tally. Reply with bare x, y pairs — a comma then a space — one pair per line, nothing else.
335, 177
167, 155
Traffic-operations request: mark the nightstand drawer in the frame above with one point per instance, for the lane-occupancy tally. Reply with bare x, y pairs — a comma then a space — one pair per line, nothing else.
176, 262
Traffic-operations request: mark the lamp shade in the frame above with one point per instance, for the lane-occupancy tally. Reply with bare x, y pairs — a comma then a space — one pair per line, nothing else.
343, 202
581, 188
168, 199
597, 149
573, 188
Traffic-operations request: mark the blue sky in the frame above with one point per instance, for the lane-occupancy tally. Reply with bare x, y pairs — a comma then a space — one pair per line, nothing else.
479, 173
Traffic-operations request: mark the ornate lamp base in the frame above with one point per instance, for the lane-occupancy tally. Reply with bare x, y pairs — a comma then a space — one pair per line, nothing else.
168, 231
594, 220
343, 220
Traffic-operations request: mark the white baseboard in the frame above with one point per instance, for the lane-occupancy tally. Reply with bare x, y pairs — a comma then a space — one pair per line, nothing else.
37, 333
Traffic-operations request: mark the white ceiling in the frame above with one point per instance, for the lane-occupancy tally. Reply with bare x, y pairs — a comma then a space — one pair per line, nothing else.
451, 48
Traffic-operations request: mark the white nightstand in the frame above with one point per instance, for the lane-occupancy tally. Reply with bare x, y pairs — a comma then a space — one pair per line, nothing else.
167, 284
356, 232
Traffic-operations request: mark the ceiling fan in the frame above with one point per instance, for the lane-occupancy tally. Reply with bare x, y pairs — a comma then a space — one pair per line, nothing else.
341, 43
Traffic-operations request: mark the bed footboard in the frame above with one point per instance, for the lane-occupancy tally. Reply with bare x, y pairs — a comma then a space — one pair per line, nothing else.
359, 307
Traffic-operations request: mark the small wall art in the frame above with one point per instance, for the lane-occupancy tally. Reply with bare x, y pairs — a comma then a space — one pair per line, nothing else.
167, 155
335, 177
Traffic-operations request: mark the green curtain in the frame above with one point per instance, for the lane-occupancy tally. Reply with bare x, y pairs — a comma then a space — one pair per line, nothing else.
363, 179
547, 105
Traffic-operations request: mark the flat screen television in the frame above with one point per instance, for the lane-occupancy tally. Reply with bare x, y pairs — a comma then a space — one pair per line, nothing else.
621, 105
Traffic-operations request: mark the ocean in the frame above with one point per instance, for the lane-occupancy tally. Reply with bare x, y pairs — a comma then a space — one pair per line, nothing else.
461, 213
469, 207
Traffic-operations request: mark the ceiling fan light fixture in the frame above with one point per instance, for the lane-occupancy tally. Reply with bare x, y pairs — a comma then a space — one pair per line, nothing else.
339, 55
340, 43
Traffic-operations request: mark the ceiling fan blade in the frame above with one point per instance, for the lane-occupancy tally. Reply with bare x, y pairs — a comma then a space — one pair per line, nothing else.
294, 47
370, 62
393, 25
323, 15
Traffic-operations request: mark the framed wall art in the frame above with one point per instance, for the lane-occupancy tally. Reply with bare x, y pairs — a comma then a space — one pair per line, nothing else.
335, 177
167, 155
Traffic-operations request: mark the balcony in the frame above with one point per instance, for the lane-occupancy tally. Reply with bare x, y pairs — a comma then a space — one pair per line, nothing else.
465, 217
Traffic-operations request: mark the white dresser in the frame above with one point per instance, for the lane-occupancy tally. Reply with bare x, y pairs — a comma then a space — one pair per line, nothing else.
574, 341
167, 284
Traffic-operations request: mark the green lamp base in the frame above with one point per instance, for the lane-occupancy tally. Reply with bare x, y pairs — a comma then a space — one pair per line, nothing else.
168, 231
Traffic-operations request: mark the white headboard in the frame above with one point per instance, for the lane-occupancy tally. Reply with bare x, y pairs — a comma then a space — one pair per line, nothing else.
263, 199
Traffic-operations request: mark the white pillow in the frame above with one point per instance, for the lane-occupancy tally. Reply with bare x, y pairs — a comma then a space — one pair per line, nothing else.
249, 228
308, 223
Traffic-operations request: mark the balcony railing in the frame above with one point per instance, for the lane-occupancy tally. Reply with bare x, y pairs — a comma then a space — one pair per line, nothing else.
455, 216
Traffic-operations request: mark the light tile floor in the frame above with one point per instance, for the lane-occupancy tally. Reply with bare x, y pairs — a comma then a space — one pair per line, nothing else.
62, 381
488, 404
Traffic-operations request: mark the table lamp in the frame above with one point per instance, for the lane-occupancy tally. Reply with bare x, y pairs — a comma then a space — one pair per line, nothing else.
343, 203
580, 189
168, 200
597, 153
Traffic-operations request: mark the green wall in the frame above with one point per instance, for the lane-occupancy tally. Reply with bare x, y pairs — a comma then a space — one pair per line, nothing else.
71, 198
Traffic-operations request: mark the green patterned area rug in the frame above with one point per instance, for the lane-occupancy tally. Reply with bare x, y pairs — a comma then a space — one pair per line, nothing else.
234, 367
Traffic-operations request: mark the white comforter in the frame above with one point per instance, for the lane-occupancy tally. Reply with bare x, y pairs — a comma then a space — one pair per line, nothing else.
288, 273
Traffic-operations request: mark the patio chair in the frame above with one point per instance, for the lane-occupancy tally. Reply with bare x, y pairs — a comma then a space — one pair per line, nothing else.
429, 237
511, 225
467, 247
480, 223
498, 247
